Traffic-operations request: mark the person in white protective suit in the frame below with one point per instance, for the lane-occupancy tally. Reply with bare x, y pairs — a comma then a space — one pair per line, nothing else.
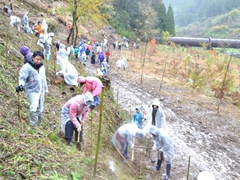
62, 54
73, 115
32, 78
45, 27
15, 20
27, 29
105, 43
45, 42
99, 49
69, 72
162, 143
84, 58
122, 63
124, 136
155, 116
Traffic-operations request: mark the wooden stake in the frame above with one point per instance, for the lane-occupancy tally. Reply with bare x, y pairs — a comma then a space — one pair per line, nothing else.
99, 133
133, 150
126, 161
189, 160
91, 132
19, 104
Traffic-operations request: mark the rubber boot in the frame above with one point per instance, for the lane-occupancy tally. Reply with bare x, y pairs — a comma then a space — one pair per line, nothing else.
158, 166
168, 172
159, 163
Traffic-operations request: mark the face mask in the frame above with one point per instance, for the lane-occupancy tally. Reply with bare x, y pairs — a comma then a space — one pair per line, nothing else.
38, 65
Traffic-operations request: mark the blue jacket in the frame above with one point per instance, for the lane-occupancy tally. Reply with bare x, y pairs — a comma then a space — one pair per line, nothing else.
137, 119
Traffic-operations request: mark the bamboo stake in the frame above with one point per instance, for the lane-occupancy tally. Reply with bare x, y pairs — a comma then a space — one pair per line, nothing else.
126, 161
6, 50
31, 43
91, 132
19, 105
189, 160
133, 150
54, 56
99, 133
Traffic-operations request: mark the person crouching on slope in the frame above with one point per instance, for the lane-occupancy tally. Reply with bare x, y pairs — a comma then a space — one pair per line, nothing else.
74, 112
32, 78
124, 136
94, 85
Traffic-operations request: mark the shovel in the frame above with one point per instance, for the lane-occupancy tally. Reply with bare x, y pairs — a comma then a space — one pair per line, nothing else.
78, 145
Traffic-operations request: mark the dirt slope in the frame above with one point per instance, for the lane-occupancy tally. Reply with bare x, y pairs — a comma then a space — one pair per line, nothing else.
211, 140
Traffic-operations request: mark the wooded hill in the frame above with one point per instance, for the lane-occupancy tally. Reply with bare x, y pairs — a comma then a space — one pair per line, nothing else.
221, 26
202, 18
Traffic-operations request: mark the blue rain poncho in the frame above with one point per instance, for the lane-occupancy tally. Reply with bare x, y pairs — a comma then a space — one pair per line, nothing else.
162, 141
159, 116
35, 85
137, 118
45, 42
124, 136
27, 29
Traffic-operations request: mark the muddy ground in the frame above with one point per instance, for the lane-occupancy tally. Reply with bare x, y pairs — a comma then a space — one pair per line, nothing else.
211, 140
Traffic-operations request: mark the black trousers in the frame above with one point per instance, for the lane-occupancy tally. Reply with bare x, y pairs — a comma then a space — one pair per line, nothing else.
69, 128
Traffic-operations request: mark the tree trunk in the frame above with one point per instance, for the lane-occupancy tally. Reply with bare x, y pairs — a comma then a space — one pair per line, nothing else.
73, 31
144, 56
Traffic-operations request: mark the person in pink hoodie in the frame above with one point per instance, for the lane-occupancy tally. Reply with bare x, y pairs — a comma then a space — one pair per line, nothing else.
74, 113
94, 85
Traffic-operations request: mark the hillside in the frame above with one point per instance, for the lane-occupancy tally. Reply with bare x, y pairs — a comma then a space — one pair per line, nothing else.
190, 11
29, 154
201, 18
186, 76
224, 26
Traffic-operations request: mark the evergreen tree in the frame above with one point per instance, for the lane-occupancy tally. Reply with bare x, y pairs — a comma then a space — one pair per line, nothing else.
170, 21
126, 16
162, 17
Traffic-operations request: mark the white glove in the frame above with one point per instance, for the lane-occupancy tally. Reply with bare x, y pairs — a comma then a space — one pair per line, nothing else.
132, 146
154, 147
79, 128
56, 73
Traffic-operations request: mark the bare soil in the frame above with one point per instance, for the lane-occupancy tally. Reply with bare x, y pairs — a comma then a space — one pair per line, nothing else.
210, 139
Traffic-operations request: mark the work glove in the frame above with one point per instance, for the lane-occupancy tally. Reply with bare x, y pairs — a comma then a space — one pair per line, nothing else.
160, 150
91, 106
154, 147
79, 129
19, 88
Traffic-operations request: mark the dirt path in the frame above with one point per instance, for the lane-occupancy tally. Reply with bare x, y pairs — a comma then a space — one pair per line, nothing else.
211, 140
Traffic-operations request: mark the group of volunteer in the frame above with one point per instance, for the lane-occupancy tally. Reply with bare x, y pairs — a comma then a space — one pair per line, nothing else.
39, 28
140, 126
32, 79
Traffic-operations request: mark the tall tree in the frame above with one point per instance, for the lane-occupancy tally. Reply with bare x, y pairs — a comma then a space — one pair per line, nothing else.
162, 17
170, 21
84, 11
127, 16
